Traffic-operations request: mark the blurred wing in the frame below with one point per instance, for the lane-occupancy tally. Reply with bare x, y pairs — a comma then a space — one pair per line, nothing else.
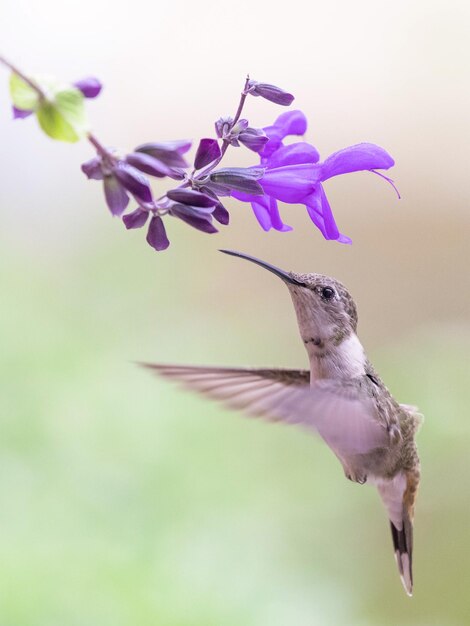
341, 413
337, 410
251, 389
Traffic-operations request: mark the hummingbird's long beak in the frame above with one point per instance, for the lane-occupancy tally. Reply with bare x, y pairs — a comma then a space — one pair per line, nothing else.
267, 266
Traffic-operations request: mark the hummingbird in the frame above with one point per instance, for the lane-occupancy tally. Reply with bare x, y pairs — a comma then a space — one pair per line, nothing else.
340, 397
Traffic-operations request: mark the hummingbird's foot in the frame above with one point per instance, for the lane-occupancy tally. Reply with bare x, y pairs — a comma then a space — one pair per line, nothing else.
355, 478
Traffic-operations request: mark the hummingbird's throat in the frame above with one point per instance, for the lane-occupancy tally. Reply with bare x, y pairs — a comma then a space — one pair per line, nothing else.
329, 359
333, 347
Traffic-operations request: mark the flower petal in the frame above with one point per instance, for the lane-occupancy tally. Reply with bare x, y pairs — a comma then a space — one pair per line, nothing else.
363, 156
115, 194
148, 164
192, 197
291, 183
288, 123
276, 219
265, 209
293, 154
253, 138
136, 219
89, 86
207, 152
156, 234
20, 114
260, 208
320, 213
181, 146
344, 239
221, 214
135, 182
92, 169
168, 151
291, 123
198, 221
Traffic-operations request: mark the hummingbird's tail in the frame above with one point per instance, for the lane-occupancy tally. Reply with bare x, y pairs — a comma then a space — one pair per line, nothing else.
403, 545
398, 496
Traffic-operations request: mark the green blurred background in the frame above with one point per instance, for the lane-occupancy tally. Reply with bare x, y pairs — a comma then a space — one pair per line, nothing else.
124, 501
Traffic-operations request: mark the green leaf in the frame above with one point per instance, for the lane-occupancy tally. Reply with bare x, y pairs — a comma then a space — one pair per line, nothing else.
63, 116
23, 95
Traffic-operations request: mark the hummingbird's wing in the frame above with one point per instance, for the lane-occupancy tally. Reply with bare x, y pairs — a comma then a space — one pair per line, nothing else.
344, 416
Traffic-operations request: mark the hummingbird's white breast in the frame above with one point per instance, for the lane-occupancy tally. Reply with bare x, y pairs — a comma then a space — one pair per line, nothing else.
346, 360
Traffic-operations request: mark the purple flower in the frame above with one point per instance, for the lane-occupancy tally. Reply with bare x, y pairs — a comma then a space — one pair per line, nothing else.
124, 176
196, 208
192, 198
241, 133
294, 175
194, 216
119, 180
152, 166
168, 152
90, 88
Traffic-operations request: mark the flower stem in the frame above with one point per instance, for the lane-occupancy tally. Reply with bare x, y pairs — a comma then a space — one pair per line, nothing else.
241, 104
226, 143
33, 84
98, 145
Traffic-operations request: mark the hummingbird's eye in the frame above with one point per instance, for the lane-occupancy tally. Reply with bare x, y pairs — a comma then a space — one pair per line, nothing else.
327, 293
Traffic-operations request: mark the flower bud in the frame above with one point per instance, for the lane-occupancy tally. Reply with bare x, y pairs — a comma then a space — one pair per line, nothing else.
253, 138
240, 179
170, 152
223, 126
221, 214
148, 164
90, 86
207, 152
270, 92
192, 198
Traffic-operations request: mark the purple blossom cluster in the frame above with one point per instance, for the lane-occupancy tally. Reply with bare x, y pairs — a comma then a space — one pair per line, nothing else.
288, 172
294, 174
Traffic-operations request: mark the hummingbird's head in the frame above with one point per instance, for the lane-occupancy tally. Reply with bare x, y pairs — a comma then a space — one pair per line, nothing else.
326, 312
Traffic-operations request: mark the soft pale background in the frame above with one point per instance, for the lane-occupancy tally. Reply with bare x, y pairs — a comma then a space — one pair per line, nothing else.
125, 502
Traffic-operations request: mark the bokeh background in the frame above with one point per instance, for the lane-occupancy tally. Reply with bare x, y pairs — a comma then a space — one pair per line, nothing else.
124, 501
